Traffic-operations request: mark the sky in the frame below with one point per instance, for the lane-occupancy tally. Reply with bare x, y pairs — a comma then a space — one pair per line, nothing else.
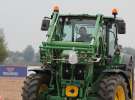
21, 19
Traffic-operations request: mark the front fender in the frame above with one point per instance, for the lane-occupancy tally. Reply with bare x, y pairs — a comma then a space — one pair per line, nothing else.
41, 70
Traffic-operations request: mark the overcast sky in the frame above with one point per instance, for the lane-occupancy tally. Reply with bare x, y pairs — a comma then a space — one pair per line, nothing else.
21, 19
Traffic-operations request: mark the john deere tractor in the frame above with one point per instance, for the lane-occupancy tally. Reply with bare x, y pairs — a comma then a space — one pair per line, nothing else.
81, 60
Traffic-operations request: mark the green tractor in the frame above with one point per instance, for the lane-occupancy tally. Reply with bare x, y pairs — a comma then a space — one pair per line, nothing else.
81, 60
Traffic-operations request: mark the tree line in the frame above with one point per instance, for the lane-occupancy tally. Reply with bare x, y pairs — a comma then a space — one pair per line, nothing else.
27, 56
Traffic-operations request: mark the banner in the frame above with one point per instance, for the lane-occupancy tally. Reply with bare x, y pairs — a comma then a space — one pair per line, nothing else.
13, 71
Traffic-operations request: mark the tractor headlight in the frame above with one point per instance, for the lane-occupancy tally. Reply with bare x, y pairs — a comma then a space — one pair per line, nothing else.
79, 71
66, 71
73, 58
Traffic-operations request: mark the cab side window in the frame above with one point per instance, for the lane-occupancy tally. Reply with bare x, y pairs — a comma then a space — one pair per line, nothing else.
112, 37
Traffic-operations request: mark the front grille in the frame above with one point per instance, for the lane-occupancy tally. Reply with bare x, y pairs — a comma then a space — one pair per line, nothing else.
77, 71
67, 71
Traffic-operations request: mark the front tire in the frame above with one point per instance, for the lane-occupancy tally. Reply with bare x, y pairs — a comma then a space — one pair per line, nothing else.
34, 85
114, 88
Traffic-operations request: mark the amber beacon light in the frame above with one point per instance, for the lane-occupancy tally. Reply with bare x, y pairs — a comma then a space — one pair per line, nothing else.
114, 11
56, 8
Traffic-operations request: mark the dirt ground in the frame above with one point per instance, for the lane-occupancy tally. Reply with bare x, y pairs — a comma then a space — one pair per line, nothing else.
10, 88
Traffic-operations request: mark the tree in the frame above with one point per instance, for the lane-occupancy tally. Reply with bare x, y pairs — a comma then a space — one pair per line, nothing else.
3, 47
28, 53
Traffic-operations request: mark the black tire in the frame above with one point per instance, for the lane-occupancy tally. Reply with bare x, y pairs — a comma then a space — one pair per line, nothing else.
30, 90
102, 88
108, 87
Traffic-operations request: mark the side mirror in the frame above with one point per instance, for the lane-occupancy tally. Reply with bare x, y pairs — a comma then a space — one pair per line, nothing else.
45, 24
121, 27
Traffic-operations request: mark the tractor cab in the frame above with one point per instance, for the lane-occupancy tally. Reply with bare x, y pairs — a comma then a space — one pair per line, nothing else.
77, 29
74, 28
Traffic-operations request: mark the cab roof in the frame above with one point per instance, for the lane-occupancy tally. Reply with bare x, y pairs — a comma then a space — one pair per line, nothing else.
90, 16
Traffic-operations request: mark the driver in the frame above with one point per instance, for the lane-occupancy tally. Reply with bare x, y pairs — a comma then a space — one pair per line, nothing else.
84, 37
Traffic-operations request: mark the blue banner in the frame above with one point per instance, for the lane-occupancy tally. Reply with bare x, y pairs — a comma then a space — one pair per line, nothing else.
13, 71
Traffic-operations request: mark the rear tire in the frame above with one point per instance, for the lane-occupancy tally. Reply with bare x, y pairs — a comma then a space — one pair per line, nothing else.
32, 87
113, 88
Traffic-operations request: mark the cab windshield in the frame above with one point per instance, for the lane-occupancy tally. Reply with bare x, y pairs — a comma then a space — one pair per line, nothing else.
78, 30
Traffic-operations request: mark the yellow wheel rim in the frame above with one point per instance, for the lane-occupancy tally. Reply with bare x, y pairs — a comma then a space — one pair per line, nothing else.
120, 93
